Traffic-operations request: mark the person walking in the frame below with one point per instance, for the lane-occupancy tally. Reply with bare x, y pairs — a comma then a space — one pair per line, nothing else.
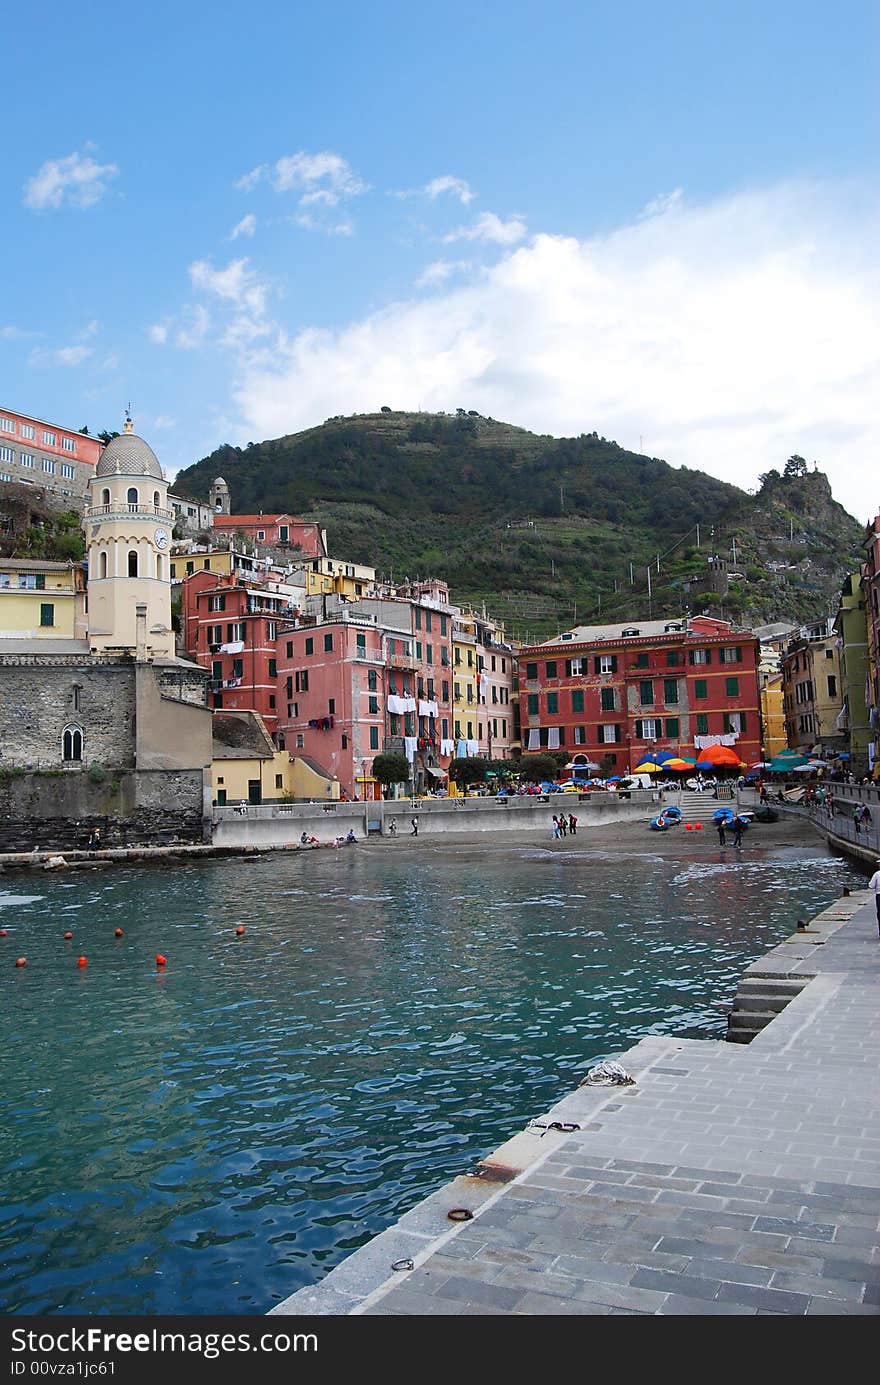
720, 825
415, 827
572, 824
874, 884
392, 828
857, 817
738, 827
556, 831
563, 825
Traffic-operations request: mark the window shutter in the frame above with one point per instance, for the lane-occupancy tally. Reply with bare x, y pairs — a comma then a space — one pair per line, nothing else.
613, 663
739, 654
596, 663
568, 668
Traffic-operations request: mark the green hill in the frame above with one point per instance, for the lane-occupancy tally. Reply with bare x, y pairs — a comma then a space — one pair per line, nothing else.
547, 531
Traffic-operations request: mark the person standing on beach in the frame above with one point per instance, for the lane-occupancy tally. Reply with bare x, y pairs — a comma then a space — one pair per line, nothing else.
738, 826
415, 827
556, 832
563, 825
572, 824
720, 825
874, 884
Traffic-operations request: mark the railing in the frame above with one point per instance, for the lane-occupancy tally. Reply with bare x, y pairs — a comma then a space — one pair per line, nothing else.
123, 511
403, 661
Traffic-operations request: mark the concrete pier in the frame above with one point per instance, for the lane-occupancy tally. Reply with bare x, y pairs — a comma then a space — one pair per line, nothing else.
729, 1178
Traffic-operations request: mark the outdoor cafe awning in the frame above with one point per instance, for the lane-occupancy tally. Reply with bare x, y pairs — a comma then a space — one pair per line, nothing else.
437, 773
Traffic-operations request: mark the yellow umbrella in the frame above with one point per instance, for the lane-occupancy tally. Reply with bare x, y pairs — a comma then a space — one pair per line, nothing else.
648, 767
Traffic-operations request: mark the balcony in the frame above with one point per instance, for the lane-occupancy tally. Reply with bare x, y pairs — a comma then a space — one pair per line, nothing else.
401, 661
124, 511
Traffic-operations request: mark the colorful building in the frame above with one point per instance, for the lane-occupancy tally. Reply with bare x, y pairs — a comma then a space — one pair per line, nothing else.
851, 630
34, 453
870, 584
230, 626
773, 641
332, 696
617, 691
272, 531
484, 711
813, 692
42, 600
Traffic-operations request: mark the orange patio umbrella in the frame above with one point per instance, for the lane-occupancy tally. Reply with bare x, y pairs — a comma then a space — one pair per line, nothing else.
720, 757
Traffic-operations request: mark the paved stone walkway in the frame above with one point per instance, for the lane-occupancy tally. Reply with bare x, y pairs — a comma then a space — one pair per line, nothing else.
729, 1179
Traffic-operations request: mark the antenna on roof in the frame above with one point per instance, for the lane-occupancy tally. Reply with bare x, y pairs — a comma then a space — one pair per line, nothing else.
129, 426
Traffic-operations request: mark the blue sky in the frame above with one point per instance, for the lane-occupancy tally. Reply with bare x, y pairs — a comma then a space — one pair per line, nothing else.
656, 222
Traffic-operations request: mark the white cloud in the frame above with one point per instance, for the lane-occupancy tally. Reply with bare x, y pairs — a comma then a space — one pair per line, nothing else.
246, 227
662, 203
158, 333
325, 178
76, 180
164, 421
330, 228
457, 187
62, 356
14, 334
194, 325
729, 336
237, 283
490, 227
440, 271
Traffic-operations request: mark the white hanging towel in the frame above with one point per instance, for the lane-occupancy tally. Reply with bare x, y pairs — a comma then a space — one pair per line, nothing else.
534, 739
409, 745
473, 747
447, 747
428, 709
553, 738
396, 704
461, 750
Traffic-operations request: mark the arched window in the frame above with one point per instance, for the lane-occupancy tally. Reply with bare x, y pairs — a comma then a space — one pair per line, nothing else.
102, 565
132, 563
105, 496
155, 500
72, 743
132, 495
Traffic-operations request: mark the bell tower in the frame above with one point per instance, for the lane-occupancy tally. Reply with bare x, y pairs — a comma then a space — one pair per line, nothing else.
128, 538
219, 495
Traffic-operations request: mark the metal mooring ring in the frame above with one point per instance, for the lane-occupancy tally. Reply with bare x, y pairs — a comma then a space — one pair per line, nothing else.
402, 1265
460, 1214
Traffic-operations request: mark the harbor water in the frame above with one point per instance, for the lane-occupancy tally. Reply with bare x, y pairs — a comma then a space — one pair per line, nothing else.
210, 1136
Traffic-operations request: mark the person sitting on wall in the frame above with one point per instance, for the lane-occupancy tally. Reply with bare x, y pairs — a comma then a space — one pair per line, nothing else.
351, 837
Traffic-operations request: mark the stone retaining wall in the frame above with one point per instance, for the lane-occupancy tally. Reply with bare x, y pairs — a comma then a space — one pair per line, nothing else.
57, 811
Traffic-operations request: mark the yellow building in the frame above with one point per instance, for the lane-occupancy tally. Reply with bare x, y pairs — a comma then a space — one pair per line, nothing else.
772, 714
41, 600
323, 576
246, 767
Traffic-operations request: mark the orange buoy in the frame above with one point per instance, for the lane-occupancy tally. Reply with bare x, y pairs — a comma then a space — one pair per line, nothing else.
239, 930
117, 933
698, 827
160, 960
2, 932
687, 827
82, 961
68, 936
21, 961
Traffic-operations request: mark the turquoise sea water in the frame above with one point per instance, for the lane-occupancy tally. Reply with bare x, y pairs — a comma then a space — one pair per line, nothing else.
209, 1139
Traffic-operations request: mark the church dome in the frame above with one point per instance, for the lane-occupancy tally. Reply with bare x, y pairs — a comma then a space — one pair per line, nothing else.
219, 481
129, 455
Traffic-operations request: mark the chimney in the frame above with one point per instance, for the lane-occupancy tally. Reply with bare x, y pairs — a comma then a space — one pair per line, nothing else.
140, 626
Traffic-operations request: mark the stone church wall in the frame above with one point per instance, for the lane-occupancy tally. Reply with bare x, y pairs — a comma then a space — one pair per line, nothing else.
40, 695
57, 810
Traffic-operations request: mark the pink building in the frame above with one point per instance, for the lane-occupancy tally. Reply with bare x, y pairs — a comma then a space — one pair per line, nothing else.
273, 531
40, 454
331, 699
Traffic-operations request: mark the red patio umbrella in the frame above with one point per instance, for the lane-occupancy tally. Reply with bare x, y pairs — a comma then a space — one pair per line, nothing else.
719, 757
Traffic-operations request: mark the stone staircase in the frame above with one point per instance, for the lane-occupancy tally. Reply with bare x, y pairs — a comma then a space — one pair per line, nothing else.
757, 1002
697, 807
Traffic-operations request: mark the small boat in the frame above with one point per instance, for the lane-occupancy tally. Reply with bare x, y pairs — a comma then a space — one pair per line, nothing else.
659, 824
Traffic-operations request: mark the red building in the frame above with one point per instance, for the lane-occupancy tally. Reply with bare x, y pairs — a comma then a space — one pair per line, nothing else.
231, 627
616, 691
273, 531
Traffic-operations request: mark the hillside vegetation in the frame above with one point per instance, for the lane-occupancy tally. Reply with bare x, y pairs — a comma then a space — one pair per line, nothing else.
546, 531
